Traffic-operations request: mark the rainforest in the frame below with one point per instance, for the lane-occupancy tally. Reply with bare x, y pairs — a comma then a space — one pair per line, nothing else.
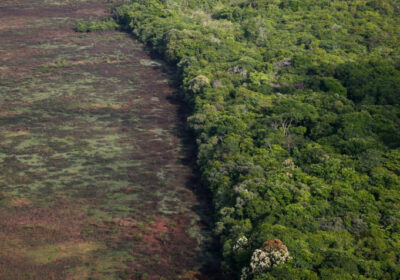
295, 107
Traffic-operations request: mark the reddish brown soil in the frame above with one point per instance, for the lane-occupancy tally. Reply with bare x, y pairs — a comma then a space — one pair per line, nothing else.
60, 223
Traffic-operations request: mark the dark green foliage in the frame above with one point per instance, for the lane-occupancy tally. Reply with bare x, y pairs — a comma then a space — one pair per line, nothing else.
372, 83
296, 112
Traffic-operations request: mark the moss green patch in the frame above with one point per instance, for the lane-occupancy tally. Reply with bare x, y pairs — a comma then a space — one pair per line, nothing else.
52, 253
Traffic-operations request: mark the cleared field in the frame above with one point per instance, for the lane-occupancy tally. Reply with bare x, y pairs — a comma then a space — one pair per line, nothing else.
97, 177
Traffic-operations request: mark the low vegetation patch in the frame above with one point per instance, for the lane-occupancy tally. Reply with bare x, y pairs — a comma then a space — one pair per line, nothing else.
51, 253
95, 25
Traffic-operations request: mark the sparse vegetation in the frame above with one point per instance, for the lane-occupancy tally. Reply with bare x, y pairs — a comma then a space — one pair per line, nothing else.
85, 123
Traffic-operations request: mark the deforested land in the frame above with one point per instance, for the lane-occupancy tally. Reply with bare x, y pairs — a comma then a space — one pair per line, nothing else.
97, 170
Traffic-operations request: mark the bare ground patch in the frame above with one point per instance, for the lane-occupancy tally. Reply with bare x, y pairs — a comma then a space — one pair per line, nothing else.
96, 180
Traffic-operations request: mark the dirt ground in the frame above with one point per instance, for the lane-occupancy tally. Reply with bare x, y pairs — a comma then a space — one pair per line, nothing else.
97, 173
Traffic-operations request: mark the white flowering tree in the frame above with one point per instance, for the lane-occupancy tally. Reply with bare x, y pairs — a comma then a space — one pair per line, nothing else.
271, 254
241, 244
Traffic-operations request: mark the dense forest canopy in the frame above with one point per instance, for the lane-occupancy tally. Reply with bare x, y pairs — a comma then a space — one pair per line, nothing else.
296, 110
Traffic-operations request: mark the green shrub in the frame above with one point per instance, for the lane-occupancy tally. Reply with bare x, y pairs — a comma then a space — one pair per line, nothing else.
96, 25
